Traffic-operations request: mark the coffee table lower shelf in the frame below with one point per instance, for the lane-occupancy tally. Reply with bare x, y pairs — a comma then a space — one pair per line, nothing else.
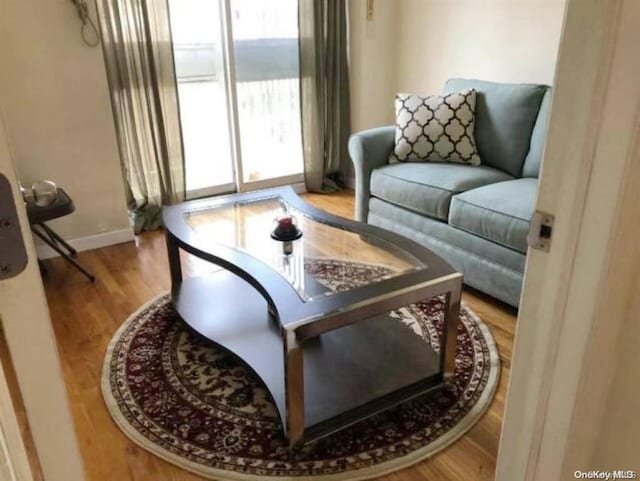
349, 373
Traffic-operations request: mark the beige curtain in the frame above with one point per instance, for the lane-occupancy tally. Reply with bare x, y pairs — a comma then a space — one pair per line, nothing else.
138, 53
324, 91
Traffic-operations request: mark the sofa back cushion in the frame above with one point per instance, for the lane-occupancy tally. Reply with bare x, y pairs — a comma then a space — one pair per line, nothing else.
531, 167
505, 116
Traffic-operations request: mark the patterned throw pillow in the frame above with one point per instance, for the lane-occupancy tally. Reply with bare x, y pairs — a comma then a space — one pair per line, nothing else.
436, 128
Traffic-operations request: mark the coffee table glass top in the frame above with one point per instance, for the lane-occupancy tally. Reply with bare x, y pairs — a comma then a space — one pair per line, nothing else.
246, 225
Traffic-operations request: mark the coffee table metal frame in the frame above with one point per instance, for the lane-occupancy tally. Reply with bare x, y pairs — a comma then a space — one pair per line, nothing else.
299, 321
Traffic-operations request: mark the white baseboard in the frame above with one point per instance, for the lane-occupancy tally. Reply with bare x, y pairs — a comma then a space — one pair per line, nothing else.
89, 242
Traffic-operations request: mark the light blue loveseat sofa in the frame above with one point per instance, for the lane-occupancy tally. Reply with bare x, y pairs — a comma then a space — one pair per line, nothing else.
475, 217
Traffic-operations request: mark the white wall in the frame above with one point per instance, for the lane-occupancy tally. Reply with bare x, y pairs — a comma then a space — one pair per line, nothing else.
372, 59
416, 45
499, 40
55, 104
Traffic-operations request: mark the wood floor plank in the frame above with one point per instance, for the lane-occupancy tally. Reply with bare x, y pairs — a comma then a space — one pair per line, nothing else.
85, 316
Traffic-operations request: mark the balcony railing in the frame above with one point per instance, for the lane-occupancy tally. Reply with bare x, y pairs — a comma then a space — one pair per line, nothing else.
255, 60
266, 74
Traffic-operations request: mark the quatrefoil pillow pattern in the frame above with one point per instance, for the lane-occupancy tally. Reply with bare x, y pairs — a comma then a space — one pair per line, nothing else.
436, 128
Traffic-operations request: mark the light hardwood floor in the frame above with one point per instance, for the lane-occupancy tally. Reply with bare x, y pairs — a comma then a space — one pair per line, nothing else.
85, 316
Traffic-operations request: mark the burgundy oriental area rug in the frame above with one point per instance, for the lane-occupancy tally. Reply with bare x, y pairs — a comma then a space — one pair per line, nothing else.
195, 405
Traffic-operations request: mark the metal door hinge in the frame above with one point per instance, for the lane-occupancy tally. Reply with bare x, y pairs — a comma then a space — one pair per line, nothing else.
540, 231
13, 255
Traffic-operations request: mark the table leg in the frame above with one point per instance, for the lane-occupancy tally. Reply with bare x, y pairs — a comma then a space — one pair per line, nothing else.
173, 252
449, 344
66, 256
294, 389
53, 235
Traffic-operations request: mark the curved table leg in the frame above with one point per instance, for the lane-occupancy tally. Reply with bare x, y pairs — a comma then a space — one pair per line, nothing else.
173, 252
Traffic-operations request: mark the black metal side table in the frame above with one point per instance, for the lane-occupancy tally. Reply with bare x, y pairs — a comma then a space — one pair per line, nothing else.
38, 215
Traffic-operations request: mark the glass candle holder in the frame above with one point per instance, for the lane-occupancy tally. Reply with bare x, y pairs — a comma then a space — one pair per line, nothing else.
286, 230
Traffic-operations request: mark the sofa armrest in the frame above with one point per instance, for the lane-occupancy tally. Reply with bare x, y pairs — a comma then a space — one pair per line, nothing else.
369, 149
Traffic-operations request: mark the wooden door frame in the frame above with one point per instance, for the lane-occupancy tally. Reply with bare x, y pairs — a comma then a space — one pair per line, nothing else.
570, 315
34, 354
13, 453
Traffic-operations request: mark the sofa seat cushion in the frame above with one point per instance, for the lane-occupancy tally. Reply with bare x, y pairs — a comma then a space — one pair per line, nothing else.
427, 188
498, 212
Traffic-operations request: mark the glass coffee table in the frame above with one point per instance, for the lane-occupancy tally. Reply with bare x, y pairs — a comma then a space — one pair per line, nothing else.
329, 357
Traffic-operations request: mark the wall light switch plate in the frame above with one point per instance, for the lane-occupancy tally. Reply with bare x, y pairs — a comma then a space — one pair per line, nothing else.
370, 8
